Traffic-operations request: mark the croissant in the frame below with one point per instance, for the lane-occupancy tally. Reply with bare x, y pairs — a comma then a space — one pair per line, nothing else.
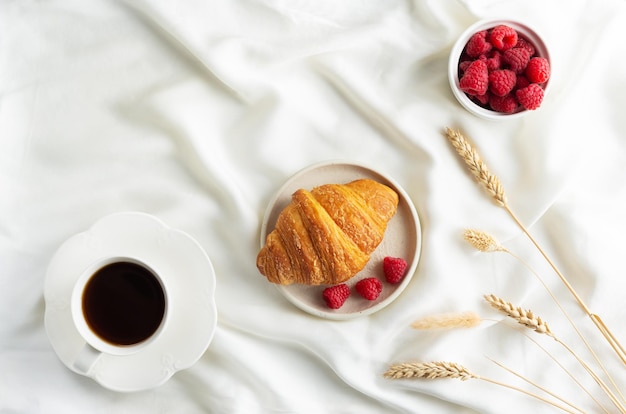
326, 236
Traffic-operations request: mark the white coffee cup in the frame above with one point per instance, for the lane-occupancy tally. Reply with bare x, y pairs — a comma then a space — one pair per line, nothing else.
119, 306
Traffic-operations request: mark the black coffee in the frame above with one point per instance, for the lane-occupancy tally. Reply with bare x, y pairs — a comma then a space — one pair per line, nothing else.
123, 303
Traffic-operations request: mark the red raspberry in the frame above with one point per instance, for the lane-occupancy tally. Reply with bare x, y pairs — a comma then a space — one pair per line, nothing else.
394, 269
494, 60
369, 288
503, 37
525, 44
464, 65
335, 296
517, 59
521, 82
538, 70
478, 45
504, 104
482, 100
475, 80
501, 82
530, 97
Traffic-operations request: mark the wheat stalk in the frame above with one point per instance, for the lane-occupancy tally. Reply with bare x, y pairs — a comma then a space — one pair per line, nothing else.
477, 166
482, 241
534, 322
471, 319
521, 316
444, 370
492, 184
448, 321
486, 243
569, 374
429, 370
534, 384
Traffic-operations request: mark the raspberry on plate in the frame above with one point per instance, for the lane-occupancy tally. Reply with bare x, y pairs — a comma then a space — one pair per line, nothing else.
369, 288
475, 80
336, 296
394, 269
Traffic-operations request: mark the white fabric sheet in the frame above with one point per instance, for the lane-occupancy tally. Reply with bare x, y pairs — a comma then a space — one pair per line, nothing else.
197, 112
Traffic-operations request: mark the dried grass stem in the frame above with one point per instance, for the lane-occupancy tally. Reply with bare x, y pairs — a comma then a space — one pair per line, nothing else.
448, 321
443, 370
492, 184
530, 320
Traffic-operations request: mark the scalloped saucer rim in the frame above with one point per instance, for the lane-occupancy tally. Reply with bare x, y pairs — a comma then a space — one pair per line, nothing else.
181, 260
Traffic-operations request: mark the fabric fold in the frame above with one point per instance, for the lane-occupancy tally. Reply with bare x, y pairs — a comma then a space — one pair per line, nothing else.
198, 112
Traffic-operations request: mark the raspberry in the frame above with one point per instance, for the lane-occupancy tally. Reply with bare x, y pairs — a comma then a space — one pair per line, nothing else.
521, 82
335, 296
530, 97
482, 100
464, 65
478, 45
505, 104
494, 60
538, 70
394, 269
517, 59
503, 37
525, 44
498, 68
369, 288
501, 82
475, 80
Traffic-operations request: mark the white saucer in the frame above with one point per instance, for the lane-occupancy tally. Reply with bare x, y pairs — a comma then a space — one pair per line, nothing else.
184, 264
403, 238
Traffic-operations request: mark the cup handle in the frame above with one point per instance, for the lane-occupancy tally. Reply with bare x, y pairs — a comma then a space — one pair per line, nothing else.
86, 359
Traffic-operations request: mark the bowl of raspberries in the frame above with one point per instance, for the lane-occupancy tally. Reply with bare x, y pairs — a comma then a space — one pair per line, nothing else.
499, 69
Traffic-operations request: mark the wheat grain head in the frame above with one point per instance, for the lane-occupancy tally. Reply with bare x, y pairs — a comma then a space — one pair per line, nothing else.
476, 165
523, 317
429, 370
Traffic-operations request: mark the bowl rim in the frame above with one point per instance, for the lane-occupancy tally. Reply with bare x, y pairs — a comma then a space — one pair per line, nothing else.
525, 30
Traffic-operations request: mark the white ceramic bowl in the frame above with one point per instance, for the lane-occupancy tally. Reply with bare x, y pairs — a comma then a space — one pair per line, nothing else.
457, 50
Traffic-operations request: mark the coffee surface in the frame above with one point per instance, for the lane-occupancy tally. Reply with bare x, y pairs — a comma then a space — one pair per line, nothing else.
123, 303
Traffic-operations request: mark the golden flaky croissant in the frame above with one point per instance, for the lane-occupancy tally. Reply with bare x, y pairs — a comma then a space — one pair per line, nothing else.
326, 236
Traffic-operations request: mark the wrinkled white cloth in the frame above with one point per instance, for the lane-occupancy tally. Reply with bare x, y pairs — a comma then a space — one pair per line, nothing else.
197, 112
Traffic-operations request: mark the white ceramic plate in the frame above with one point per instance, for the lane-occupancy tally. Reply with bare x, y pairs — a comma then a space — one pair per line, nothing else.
402, 239
181, 261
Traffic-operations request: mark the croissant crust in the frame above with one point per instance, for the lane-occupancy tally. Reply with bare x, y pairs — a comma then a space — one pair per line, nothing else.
326, 236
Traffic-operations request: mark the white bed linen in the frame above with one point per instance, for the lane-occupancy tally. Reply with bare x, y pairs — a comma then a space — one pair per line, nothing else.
197, 112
